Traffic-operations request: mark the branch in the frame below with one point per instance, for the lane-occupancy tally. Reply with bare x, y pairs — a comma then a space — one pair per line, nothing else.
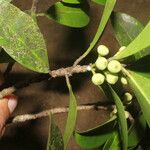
26, 117
34, 6
69, 71
55, 73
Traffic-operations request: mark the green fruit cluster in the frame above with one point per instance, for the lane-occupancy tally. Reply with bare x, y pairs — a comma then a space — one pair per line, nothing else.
109, 69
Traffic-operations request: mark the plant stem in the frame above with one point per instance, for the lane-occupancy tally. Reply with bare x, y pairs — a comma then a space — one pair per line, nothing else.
34, 9
55, 73
69, 71
40, 14
26, 117
34, 6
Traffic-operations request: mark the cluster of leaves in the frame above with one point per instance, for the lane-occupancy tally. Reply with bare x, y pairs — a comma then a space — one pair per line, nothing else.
22, 41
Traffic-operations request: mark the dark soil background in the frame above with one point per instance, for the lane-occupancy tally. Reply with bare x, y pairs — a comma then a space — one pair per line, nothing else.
64, 46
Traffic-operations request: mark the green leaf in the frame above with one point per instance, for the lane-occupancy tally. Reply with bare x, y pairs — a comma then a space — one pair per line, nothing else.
126, 27
139, 43
5, 1
101, 2
106, 14
95, 137
69, 15
71, 120
121, 118
73, 1
137, 131
21, 38
55, 140
113, 143
139, 82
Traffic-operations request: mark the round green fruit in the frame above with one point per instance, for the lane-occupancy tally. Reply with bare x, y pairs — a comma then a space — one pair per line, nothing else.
114, 66
124, 81
98, 78
128, 97
101, 63
114, 112
102, 50
111, 78
122, 48
127, 114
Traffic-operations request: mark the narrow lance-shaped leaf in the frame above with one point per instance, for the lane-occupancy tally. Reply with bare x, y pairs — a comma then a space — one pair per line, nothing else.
21, 39
139, 43
139, 82
101, 2
105, 16
72, 114
55, 140
73, 1
113, 143
5, 1
69, 14
121, 119
97, 136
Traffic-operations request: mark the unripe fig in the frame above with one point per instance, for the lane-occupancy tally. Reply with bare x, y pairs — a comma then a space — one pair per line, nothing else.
124, 81
127, 114
101, 63
114, 66
122, 48
102, 50
127, 97
111, 78
114, 112
98, 78
89, 68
